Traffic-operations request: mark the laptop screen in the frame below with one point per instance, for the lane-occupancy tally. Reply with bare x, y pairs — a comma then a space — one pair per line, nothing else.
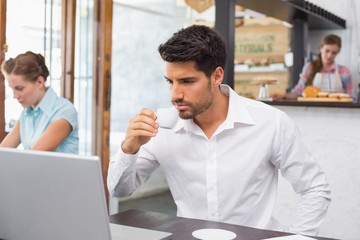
48, 195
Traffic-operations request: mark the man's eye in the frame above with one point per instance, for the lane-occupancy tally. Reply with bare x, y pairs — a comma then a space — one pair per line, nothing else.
169, 82
188, 81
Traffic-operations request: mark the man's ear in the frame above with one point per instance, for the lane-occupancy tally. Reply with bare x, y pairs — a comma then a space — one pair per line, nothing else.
218, 75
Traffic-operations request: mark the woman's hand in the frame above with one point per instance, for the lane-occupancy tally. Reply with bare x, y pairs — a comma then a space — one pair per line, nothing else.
289, 96
12, 139
277, 96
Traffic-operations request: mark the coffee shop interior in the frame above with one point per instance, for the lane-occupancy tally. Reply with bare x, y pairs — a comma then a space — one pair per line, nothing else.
102, 56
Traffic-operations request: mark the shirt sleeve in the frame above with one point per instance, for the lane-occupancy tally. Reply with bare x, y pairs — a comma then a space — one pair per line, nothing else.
346, 80
121, 167
128, 171
300, 86
306, 177
66, 110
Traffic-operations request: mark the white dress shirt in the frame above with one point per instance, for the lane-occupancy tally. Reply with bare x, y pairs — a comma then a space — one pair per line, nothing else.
231, 177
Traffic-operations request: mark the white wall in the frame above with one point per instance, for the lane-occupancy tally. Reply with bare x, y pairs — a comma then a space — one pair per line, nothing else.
333, 136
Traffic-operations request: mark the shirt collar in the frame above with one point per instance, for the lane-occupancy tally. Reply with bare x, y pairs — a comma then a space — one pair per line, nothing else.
45, 104
332, 68
237, 113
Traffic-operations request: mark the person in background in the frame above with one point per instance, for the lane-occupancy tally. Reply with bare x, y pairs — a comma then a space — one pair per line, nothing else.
47, 122
221, 153
323, 72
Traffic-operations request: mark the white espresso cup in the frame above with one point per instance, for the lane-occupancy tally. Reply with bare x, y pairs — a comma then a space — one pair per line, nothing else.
167, 117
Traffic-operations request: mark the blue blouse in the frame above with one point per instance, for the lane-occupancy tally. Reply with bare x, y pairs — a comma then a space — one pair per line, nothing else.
33, 122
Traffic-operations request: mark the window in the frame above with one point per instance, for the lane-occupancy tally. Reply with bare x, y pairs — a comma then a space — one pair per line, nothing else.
84, 71
137, 69
39, 33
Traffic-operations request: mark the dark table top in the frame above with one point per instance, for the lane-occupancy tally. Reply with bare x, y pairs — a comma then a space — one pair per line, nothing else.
182, 228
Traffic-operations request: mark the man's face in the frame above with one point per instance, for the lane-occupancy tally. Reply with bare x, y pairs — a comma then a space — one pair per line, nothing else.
191, 90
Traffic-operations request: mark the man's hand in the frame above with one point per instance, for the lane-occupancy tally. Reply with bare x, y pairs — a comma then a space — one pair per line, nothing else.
140, 130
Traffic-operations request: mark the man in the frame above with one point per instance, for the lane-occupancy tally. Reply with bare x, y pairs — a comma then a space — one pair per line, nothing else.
222, 153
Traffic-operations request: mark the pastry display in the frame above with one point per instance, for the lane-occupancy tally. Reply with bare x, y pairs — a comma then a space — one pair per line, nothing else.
323, 94
343, 95
310, 91
314, 94
333, 95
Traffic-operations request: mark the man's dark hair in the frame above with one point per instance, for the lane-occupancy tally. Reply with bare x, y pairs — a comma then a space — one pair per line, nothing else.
197, 43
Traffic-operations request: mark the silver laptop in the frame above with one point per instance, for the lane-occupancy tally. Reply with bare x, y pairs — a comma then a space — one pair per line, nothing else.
48, 195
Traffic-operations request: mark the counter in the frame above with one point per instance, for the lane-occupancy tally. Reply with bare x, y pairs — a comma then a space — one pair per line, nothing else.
295, 103
332, 133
